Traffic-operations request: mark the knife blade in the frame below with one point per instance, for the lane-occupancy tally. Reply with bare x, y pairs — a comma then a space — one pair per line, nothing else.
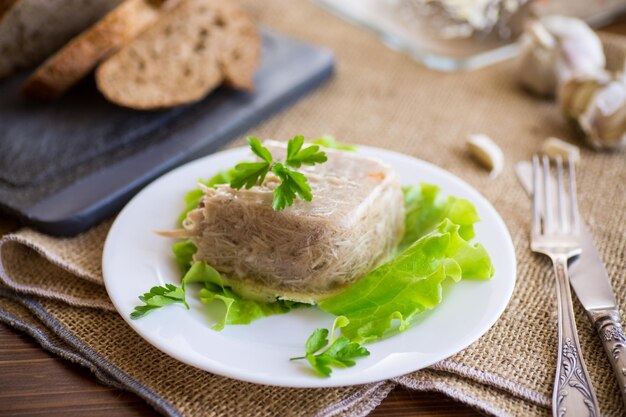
593, 289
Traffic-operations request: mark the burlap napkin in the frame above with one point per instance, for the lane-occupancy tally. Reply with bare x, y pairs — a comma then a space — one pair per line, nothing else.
52, 288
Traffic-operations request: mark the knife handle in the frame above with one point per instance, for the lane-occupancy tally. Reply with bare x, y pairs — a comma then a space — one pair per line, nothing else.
609, 327
572, 395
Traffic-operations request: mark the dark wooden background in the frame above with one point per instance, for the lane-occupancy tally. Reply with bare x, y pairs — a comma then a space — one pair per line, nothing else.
36, 383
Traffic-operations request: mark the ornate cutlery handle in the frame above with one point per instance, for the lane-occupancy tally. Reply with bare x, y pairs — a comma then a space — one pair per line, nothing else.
609, 328
573, 394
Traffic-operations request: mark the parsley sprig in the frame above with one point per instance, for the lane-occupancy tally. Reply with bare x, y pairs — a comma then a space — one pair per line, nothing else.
159, 297
341, 352
293, 184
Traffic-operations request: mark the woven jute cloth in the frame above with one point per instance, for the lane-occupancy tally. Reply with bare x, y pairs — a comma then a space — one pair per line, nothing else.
52, 288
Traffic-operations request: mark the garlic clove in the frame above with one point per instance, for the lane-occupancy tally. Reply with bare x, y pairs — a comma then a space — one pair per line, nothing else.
541, 35
576, 93
553, 147
580, 48
536, 61
598, 107
485, 150
555, 49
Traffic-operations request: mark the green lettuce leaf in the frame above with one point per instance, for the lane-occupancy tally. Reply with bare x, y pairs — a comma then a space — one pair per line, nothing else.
330, 142
425, 209
222, 177
237, 309
183, 252
408, 284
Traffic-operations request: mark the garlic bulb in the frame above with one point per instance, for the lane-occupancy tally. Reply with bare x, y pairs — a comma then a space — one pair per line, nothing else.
556, 48
598, 107
487, 153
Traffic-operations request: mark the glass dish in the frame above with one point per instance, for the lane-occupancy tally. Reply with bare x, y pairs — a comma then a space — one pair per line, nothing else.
419, 29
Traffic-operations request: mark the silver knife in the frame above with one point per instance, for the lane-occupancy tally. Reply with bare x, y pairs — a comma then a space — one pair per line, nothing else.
591, 283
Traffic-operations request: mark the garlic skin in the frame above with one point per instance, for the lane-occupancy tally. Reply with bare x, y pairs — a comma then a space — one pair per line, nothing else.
555, 49
487, 153
597, 105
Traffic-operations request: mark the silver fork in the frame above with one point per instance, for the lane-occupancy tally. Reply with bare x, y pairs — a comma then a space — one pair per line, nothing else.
555, 233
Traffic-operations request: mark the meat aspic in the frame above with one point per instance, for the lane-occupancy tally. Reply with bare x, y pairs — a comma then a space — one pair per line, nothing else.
310, 250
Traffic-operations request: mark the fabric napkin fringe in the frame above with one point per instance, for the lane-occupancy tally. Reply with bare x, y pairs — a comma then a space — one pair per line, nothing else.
493, 380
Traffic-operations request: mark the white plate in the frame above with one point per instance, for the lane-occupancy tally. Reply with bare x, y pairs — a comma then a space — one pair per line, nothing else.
136, 259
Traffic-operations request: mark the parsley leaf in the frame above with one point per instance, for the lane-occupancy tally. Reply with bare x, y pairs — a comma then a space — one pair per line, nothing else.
296, 156
292, 183
249, 174
316, 341
159, 297
294, 146
341, 353
260, 150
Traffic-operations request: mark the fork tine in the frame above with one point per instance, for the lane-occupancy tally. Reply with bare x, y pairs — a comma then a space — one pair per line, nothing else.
536, 197
561, 196
573, 197
547, 197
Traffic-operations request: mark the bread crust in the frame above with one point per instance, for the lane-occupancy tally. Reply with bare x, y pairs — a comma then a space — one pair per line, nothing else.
32, 30
79, 57
190, 51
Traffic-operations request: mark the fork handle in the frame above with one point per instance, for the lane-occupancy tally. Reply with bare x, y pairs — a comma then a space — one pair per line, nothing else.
609, 327
573, 393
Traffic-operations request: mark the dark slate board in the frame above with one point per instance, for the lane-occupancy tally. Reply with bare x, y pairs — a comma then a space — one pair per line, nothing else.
67, 165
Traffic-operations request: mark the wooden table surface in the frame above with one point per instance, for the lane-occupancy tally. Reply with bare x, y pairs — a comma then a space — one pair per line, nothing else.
34, 382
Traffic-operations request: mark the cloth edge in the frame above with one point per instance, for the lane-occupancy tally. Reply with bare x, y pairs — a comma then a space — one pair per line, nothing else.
373, 395
41, 250
453, 393
493, 380
74, 301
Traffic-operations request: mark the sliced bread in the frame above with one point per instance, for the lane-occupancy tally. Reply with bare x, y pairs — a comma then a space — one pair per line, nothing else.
76, 59
31, 30
185, 55
241, 48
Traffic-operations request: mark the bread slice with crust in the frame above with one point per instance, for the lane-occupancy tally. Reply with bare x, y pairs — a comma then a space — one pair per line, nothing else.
76, 59
242, 53
186, 54
31, 30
